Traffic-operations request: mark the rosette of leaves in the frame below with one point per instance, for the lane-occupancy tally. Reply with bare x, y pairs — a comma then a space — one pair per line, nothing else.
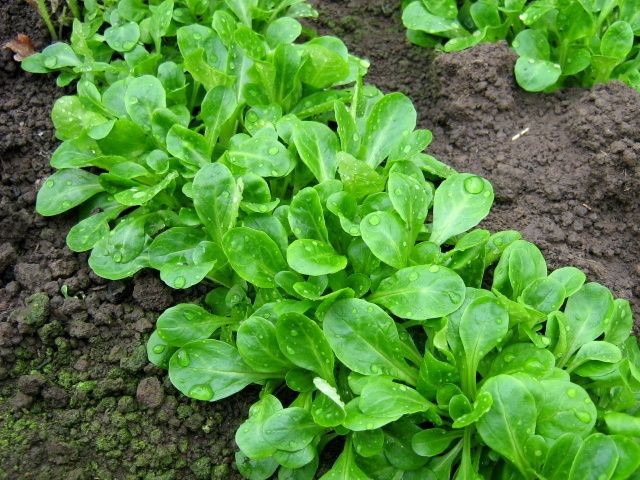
559, 43
362, 296
176, 109
346, 266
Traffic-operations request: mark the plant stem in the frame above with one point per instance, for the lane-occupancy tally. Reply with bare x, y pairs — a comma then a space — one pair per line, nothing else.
46, 18
74, 7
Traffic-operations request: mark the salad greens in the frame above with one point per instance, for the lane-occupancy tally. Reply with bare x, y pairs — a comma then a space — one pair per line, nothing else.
348, 276
559, 43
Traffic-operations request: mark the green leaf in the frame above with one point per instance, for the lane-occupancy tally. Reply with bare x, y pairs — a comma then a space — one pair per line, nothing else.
482, 405
365, 339
524, 358
210, 370
434, 441
521, 264
544, 294
387, 236
421, 293
306, 217
597, 458
144, 95
622, 424
391, 119
218, 106
258, 346
385, 398
122, 38
459, 204
565, 408
186, 323
416, 17
601, 352
66, 189
86, 233
345, 467
317, 146
618, 329
262, 155
617, 40
253, 255
483, 325
283, 31
311, 257
358, 178
121, 253
532, 44
511, 420
70, 117
249, 436
184, 256
188, 146
570, 277
216, 198
536, 75
304, 344
409, 198
159, 352
290, 429
586, 314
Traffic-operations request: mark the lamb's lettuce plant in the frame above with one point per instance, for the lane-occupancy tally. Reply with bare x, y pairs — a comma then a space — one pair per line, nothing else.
559, 43
348, 278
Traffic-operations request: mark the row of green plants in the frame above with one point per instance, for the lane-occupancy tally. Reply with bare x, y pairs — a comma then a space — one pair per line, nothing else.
221, 142
560, 43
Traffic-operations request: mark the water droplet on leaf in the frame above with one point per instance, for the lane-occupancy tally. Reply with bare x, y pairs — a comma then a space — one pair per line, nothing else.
474, 185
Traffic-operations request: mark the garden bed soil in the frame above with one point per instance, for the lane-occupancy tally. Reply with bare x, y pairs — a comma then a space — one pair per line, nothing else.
77, 397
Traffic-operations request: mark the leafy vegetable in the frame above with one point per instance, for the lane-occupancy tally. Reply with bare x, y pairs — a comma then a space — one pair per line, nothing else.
559, 43
345, 265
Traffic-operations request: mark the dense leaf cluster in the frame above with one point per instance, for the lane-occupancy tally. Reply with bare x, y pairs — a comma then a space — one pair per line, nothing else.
559, 42
348, 277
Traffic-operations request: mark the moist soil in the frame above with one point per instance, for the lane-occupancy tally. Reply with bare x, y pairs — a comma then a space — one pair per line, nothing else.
78, 399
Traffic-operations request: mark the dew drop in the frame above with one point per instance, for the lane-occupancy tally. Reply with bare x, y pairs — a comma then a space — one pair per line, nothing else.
571, 393
273, 151
434, 268
374, 220
179, 282
474, 185
291, 351
509, 358
413, 277
355, 137
158, 349
50, 183
182, 358
398, 191
584, 417
117, 257
407, 149
294, 333
201, 392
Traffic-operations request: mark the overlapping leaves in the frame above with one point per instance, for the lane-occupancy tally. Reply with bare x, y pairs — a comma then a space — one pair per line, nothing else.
345, 263
559, 43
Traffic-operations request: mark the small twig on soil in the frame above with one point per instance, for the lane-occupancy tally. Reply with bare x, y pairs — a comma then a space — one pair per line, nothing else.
518, 135
586, 206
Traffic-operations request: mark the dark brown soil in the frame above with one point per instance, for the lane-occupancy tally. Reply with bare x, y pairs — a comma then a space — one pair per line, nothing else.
77, 397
